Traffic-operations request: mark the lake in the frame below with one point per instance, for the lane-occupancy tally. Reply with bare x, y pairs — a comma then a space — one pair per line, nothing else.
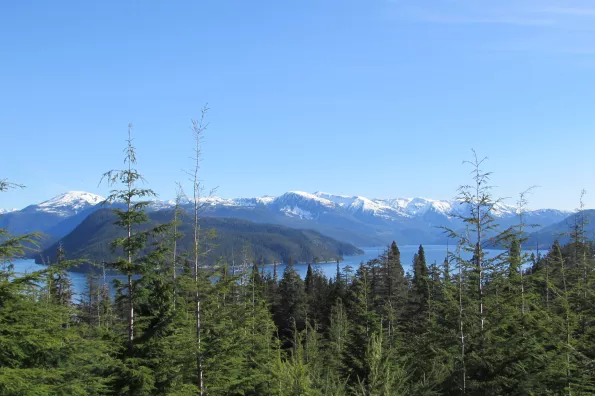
434, 253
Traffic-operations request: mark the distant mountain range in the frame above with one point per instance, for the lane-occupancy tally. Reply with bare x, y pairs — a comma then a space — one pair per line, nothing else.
55, 217
357, 220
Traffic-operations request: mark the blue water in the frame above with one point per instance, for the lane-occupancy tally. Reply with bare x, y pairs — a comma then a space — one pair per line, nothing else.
78, 279
434, 253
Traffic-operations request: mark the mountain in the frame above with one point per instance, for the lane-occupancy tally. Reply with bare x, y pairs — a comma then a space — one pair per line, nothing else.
266, 242
354, 219
55, 217
367, 222
545, 237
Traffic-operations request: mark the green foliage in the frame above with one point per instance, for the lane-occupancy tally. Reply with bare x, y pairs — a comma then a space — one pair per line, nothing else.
291, 311
44, 351
91, 240
506, 324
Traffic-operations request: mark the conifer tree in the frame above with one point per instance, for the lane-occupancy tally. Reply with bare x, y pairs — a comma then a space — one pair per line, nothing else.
420, 294
42, 350
309, 281
366, 321
134, 200
292, 303
199, 127
58, 281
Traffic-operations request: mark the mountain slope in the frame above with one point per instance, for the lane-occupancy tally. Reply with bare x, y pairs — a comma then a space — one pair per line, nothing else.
368, 222
354, 219
54, 217
560, 231
267, 242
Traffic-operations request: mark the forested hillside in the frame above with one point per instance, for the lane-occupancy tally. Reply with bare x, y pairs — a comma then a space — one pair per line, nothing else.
559, 231
225, 239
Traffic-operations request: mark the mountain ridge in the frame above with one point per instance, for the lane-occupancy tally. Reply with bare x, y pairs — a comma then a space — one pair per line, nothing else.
354, 219
266, 242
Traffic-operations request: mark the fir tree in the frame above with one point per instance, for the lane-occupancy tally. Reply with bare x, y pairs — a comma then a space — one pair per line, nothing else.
130, 218
292, 303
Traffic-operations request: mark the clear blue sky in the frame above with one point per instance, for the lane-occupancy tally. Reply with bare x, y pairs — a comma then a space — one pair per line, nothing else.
362, 97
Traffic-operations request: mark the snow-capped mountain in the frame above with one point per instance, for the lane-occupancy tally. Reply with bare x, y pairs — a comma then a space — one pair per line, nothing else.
68, 203
354, 219
361, 220
408, 207
309, 205
2, 211
54, 217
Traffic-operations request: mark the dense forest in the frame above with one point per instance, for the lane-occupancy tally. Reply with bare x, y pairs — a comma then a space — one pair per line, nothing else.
510, 324
234, 239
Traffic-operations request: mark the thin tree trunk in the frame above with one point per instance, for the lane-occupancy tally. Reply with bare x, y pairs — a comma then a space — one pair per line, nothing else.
175, 249
478, 258
197, 294
547, 280
198, 129
389, 279
522, 202
98, 307
567, 309
461, 321
130, 292
582, 246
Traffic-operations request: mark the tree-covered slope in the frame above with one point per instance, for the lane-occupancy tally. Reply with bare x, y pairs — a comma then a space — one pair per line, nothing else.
561, 230
226, 238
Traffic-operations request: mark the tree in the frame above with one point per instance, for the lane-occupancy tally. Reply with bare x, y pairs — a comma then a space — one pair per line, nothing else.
42, 350
58, 282
130, 218
481, 230
420, 295
309, 281
291, 312
199, 127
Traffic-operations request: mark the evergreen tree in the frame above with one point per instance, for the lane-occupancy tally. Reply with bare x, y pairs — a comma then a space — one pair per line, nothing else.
366, 322
419, 298
42, 350
130, 218
292, 309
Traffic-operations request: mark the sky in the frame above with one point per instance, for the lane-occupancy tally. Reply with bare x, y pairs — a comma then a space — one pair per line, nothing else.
379, 98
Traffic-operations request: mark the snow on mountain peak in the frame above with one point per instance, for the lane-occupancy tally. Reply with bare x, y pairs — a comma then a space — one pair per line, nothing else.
296, 212
368, 206
340, 200
258, 201
409, 207
298, 204
301, 195
70, 202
